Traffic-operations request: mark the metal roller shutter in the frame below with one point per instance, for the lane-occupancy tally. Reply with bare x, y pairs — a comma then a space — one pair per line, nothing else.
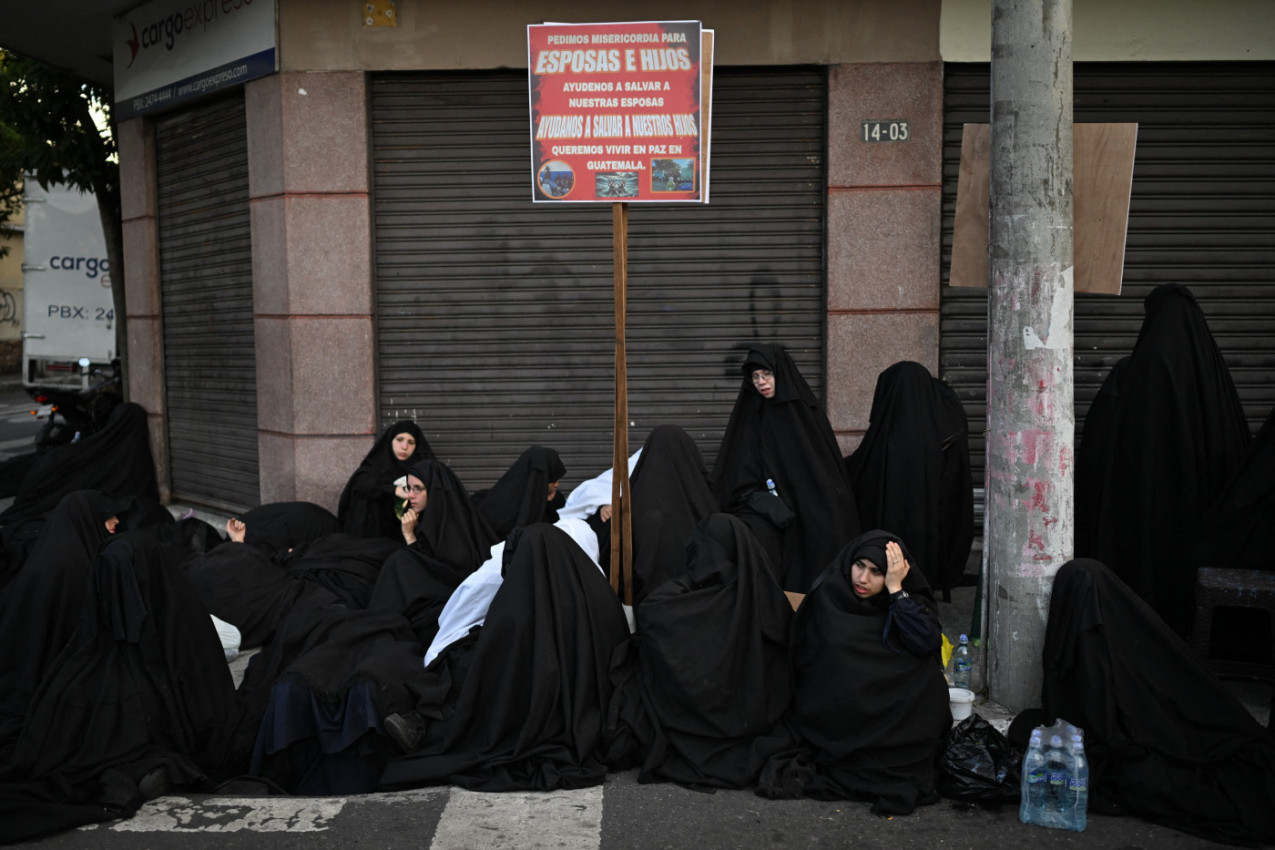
206, 284
1202, 214
495, 319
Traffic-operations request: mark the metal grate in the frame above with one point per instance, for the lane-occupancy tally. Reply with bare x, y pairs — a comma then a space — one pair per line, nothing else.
495, 318
206, 285
1202, 214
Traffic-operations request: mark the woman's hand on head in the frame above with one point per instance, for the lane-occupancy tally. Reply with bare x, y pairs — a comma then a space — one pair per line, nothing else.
236, 529
897, 567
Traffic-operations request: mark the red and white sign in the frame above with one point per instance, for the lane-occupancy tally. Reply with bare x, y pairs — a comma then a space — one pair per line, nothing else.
616, 112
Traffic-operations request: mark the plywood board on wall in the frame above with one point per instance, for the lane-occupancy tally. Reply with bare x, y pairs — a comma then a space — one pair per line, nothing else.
1102, 169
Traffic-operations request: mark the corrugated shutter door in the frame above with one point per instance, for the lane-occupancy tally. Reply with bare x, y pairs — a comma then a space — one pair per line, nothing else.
206, 284
1202, 214
495, 317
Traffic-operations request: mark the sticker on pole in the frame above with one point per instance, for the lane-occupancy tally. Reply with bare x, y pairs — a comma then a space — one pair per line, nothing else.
617, 112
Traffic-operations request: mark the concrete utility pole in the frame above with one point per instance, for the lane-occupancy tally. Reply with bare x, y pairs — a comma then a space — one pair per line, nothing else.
1029, 525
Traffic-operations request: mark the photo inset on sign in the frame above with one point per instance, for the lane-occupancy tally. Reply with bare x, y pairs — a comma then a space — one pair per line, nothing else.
616, 184
556, 178
673, 175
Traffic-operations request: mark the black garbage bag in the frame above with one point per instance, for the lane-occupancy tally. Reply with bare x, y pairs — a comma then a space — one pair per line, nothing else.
979, 764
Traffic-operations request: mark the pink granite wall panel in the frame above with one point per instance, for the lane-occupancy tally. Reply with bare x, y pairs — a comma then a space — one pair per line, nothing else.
332, 376
861, 346
883, 249
911, 92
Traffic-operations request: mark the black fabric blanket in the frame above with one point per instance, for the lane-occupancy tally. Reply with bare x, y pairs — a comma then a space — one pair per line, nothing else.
276, 527
314, 698
1166, 740
240, 584
520, 705
911, 473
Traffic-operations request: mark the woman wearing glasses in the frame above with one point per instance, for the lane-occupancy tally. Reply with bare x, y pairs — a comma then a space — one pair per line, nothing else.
779, 469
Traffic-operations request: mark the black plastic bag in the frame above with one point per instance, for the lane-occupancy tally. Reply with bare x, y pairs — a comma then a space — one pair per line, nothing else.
980, 764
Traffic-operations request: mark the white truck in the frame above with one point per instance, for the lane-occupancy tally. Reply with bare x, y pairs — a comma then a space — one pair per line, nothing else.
68, 332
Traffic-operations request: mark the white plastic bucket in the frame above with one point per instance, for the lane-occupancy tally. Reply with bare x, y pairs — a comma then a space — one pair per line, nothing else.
961, 701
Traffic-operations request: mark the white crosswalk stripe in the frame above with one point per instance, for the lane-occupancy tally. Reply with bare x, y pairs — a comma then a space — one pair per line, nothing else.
23, 443
567, 820
563, 820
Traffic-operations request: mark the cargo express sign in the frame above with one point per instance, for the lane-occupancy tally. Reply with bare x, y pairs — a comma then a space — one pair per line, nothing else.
170, 51
616, 112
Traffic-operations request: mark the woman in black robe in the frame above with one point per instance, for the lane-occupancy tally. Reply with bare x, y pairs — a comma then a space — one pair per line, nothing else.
671, 494
40, 608
1166, 740
448, 538
138, 701
312, 700
778, 432
870, 704
116, 460
1238, 530
366, 507
520, 704
255, 591
712, 658
1178, 434
527, 493
276, 527
911, 473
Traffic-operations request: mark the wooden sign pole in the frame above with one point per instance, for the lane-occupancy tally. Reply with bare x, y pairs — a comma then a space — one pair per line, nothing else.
621, 515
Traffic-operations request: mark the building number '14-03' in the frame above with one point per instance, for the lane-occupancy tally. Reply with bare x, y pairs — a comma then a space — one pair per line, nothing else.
885, 131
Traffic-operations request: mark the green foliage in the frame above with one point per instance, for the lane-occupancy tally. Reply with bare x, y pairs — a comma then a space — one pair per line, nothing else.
47, 131
46, 113
10, 185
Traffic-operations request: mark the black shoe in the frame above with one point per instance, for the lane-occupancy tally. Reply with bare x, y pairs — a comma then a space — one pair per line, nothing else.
154, 784
405, 730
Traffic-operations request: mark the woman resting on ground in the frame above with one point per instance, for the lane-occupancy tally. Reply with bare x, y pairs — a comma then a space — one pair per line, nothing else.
778, 431
40, 608
139, 700
710, 673
520, 704
870, 704
447, 539
1166, 740
527, 493
366, 508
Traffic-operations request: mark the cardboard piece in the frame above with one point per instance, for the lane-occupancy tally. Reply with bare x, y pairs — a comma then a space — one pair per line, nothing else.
1102, 179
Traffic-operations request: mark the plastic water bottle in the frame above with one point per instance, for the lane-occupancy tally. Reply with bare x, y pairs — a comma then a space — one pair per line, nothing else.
770, 487
1058, 770
1076, 811
962, 663
1035, 784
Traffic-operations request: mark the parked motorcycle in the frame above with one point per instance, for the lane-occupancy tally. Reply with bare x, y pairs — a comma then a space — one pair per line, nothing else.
75, 412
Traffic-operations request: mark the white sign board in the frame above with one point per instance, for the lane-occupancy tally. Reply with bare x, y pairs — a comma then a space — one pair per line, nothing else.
170, 51
68, 310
